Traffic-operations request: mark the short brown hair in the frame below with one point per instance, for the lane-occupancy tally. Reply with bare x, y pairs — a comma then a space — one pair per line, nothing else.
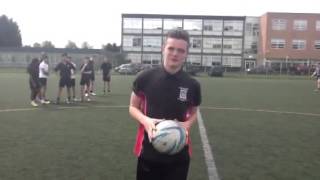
178, 34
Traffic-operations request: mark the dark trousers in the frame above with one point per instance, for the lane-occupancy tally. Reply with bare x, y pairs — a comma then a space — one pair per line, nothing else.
35, 89
147, 170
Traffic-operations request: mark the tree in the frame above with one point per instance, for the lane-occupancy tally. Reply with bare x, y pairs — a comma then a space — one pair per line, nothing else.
47, 44
9, 33
71, 45
85, 45
112, 52
111, 47
36, 45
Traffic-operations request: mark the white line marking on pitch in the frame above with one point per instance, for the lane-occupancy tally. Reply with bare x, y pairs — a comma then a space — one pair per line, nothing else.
260, 110
211, 166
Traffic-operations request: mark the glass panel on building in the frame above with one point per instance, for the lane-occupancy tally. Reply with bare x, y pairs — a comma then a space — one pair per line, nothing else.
194, 60
212, 45
317, 44
300, 25
134, 57
193, 26
195, 44
233, 28
212, 27
152, 26
279, 24
232, 46
132, 25
132, 43
278, 43
298, 44
318, 25
231, 61
209, 60
169, 24
153, 59
152, 43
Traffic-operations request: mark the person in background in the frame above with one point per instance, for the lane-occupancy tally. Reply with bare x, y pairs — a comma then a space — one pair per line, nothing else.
86, 72
316, 74
64, 68
33, 71
43, 77
73, 78
106, 74
92, 77
161, 93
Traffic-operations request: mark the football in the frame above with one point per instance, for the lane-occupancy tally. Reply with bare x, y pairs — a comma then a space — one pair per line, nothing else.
169, 137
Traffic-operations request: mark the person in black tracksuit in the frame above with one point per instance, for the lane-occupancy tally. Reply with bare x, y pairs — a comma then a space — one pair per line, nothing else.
64, 67
106, 67
165, 92
33, 71
86, 72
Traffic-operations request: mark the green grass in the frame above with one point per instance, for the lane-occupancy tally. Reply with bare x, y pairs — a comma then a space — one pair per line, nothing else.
94, 140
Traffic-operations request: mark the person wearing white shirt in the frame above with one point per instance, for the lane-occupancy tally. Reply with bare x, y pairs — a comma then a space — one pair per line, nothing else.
43, 76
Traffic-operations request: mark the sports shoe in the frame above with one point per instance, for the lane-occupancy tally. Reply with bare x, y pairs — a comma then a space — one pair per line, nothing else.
44, 101
88, 99
86, 94
67, 101
34, 104
93, 94
75, 99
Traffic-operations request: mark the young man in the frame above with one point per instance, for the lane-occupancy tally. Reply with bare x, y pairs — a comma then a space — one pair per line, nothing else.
92, 77
86, 72
64, 67
73, 78
165, 92
316, 74
33, 71
106, 74
43, 76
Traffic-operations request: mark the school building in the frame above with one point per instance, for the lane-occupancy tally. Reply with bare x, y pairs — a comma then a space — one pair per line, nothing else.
236, 42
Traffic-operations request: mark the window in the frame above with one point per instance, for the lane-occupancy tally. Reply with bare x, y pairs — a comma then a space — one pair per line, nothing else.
153, 59
136, 41
279, 24
318, 25
132, 25
232, 45
298, 44
194, 59
209, 60
172, 24
233, 28
231, 61
152, 43
132, 43
134, 58
317, 44
212, 27
193, 26
300, 25
278, 43
152, 26
212, 45
195, 44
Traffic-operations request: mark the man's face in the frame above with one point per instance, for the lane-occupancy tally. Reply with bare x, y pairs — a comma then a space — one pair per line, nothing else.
175, 52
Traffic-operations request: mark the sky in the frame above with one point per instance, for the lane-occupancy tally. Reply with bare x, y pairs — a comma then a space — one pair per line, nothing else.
98, 22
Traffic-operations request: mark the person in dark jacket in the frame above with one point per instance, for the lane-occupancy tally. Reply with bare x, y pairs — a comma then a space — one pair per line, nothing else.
33, 71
